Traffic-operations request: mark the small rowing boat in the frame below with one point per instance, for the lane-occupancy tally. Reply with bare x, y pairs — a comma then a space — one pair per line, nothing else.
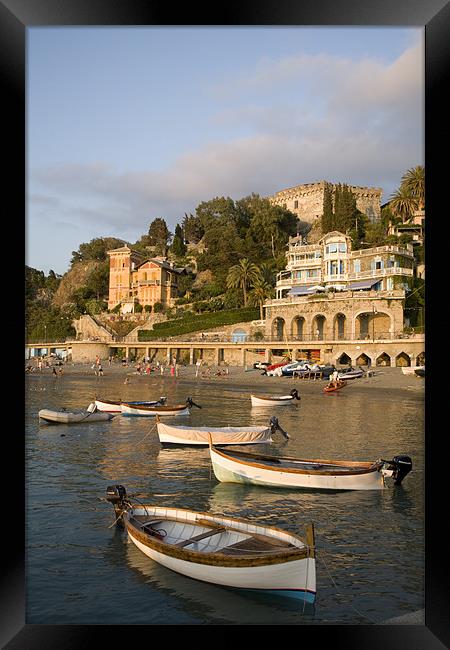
114, 406
176, 435
287, 472
331, 389
71, 417
127, 408
275, 400
219, 549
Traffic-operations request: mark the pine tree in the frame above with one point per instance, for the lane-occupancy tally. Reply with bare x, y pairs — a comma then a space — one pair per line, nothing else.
327, 223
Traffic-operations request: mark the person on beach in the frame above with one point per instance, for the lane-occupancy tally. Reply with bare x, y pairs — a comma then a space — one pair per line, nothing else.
198, 364
333, 382
127, 381
54, 372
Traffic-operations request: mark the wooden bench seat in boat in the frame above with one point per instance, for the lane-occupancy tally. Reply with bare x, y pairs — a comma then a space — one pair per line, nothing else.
197, 538
256, 543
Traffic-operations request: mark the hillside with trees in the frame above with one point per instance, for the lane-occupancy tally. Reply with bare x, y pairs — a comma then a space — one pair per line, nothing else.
232, 250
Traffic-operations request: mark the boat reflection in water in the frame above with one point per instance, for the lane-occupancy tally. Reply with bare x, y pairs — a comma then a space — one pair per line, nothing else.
217, 602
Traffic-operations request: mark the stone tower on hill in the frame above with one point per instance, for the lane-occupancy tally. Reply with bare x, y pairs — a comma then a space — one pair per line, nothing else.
306, 201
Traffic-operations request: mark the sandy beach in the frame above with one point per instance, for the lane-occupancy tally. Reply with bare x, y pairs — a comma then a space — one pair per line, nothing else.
382, 378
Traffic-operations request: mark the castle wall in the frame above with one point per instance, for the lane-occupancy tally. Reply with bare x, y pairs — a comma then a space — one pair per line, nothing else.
306, 201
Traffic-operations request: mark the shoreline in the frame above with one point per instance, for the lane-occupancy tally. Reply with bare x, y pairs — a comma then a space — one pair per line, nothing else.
383, 377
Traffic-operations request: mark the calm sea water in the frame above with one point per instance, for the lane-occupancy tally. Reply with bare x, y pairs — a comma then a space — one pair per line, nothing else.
80, 569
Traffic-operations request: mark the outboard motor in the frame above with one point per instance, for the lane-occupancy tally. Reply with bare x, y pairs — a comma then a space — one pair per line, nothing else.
294, 393
191, 403
162, 400
400, 466
274, 426
117, 495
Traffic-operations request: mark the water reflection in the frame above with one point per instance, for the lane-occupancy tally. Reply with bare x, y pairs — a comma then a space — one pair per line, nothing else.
221, 603
371, 543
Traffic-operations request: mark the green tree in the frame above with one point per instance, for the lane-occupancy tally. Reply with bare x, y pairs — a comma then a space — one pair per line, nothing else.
327, 222
403, 204
192, 228
178, 247
96, 249
242, 275
159, 235
261, 290
269, 227
413, 182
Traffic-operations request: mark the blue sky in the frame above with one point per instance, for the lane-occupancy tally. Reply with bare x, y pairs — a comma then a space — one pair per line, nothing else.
128, 124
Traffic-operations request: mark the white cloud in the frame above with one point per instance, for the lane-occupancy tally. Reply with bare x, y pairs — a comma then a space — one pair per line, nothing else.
357, 122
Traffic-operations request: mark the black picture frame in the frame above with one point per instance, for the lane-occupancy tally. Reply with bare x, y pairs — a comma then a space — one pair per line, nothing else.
15, 17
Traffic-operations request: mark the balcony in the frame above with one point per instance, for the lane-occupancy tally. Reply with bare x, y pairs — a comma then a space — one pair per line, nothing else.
379, 273
407, 249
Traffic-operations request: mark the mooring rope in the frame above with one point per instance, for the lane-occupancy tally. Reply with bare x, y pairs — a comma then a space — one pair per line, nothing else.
336, 586
147, 434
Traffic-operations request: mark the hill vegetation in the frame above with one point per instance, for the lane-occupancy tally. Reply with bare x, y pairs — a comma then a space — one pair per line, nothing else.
231, 249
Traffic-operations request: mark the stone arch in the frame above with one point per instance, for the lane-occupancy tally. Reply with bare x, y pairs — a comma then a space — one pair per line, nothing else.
402, 360
339, 326
383, 359
318, 327
298, 328
363, 360
372, 324
344, 359
239, 335
420, 359
278, 329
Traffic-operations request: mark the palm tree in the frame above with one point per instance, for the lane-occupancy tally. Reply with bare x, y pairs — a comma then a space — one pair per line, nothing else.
413, 182
261, 290
402, 204
242, 275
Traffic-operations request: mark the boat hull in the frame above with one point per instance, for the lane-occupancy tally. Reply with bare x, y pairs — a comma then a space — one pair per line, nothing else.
292, 576
171, 435
150, 411
63, 417
229, 470
410, 370
106, 406
272, 401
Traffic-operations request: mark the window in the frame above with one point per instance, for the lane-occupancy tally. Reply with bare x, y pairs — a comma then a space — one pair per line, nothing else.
331, 248
342, 247
357, 266
313, 273
295, 204
333, 267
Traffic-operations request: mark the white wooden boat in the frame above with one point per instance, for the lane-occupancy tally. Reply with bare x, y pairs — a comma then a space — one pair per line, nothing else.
219, 549
114, 406
178, 435
410, 370
286, 472
127, 408
275, 400
354, 373
71, 417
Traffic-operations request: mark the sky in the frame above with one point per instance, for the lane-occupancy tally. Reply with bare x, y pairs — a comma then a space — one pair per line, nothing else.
127, 124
